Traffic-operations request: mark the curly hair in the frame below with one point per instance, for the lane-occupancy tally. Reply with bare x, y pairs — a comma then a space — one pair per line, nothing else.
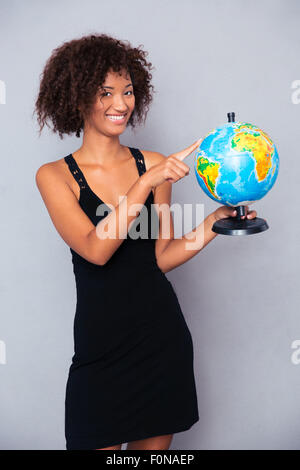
77, 69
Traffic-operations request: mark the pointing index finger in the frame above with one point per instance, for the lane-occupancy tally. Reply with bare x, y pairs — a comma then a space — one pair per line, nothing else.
187, 151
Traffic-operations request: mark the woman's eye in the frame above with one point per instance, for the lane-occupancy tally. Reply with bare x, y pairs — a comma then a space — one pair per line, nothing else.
105, 93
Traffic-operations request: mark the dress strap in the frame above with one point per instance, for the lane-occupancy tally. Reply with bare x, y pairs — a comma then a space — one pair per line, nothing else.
76, 172
139, 159
79, 176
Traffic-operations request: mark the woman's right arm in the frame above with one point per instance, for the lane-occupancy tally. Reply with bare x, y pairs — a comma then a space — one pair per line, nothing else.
74, 226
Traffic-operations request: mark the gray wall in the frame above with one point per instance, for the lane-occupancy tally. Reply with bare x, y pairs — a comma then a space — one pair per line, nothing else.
240, 295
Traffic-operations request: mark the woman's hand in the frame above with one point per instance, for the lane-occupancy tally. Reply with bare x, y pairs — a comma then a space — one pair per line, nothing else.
224, 212
171, 168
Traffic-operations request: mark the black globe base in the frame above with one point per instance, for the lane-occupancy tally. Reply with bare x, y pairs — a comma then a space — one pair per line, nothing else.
238, 226
232, 226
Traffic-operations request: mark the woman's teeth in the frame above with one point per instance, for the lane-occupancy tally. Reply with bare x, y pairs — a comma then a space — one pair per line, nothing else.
116, 118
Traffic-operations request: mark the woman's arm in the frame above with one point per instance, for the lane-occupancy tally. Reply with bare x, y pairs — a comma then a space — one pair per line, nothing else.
118, 222
179, 250
74, 226
171, 252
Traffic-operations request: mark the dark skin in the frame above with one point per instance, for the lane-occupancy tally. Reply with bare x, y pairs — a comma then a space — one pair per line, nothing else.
152, 443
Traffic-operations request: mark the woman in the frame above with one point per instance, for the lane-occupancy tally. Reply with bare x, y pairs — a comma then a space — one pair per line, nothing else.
131, 379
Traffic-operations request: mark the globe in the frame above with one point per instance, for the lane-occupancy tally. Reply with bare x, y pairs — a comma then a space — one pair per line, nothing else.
236, 164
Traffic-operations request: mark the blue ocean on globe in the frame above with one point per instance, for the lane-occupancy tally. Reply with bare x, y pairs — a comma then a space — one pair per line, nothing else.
236, 164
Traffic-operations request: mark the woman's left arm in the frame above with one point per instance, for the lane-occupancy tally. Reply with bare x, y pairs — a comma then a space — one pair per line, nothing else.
180, 250
171, 252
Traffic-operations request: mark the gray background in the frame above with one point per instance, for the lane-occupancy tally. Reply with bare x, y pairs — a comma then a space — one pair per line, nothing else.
240, 295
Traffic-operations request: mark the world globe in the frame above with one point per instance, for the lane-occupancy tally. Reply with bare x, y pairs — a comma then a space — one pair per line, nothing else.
236, 165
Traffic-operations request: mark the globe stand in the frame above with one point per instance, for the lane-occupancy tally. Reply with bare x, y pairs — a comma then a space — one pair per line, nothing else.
238, 226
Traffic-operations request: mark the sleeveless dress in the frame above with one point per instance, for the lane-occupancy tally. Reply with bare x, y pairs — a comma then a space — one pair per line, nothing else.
131, 376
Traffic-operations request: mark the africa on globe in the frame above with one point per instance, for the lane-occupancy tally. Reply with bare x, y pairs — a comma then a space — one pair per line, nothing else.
236, 165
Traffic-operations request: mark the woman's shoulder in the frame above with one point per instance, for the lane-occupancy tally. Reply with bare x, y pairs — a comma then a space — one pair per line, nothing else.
57, 168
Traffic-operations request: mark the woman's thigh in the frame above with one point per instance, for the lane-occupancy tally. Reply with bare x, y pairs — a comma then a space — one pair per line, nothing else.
117, 447
151, 443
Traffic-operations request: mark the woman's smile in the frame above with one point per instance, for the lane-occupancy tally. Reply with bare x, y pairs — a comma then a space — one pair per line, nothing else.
117, 118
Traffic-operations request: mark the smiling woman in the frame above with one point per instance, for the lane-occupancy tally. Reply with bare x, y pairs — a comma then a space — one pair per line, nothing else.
131, 379
125, 107
71, 78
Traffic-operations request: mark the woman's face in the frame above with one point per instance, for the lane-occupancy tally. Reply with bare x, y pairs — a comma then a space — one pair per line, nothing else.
114, 104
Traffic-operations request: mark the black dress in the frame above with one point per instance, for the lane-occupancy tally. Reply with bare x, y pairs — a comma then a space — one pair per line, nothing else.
131, 375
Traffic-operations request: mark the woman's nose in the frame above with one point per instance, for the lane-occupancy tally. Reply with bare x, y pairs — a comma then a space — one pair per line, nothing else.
119, 103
